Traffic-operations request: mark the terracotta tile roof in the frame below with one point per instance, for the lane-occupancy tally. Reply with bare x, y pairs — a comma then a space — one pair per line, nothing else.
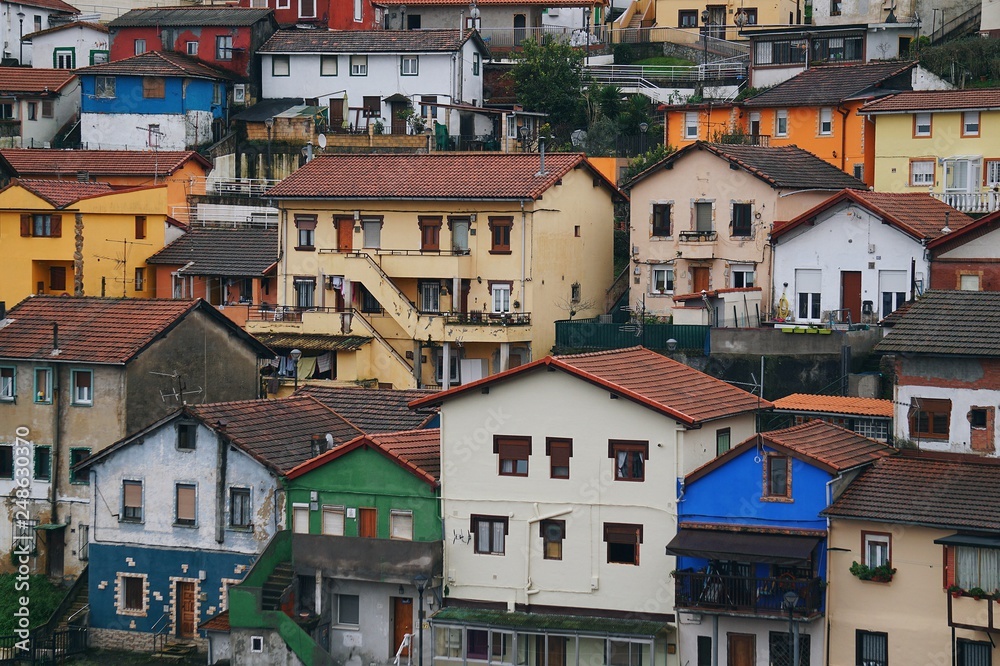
832, 84
494, 3
936, 490
417, 451
65, 26
936, 100
312, 341
230, 252
53, 162
61, 193
95, 330
374, 410
915, 213
159, 63
778, 166
643, 376
960, 323
218, 623
182, 17
370, 41
33, 81
492, 176
277, 433
55, 5
834, 404
967, 234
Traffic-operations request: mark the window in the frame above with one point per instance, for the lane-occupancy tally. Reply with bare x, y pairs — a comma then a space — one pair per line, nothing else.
333, 520
623, 541
187, 436
776, 481
305, 292
430, 296
552, 532
859, 171
430, 233
969, 282
140, 46
962, 175
348, 609
140, 279
475, 64
970, 123
131, 595
501, 297
459, 233
306, 227
328, 65
153, 87
630, 459
6, 111
992, 173
807, 288
513, 454
131, 502
300, 518
977, 567
687, 18
703, 216
63, 58
43, 386
192, 48
358, 11
280, 65
663, 280
704, 651
453, 367
723, 437
661, 220
575, 292
32, 110
83, 543
257, 644
77, 456
307, 8
41, 225
359, 65
754, 123
223, 47
876, 549
427, 108
6, 461
104, 87
489, 534
742, 219
409, 65
691, 125
57, 278
239, 508
140, 226
8, 383
372, 229
184, 510
781, 123
48, 108
872, 648
835, 6
413, 21
371, 106
369, 304
922, 124
401, 524
930, 418
922, 173
825, 121
780, 648
973, 653
559, 452
742, 275
82, 382
500, 234
99, 57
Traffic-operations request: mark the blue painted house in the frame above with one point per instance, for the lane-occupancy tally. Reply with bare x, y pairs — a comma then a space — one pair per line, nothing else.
751, 545
155, 100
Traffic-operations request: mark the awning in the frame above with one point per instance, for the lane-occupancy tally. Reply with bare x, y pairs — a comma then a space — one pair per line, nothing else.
546, 623
312, 341
742, 546
974, 540
49, 526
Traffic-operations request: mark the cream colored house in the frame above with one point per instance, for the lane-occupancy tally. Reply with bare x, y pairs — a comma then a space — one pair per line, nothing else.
700, 223
437, 270
912, 513
559, 496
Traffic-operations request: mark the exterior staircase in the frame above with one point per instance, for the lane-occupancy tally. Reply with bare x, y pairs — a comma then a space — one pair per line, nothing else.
275, 586
78, 605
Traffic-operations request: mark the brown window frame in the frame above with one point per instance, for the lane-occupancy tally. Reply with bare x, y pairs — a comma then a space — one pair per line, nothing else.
931, 407
133, 593
140, 227
769, 492
474, 521
511, 447
553, 533
623, 533
305, 223
559, 450
629, 447
500, 233
430, 233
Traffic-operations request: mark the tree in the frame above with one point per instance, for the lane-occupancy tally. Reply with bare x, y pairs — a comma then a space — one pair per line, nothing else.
548, 77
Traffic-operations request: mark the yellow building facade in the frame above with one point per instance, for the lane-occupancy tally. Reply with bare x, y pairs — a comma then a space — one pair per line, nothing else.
82, 239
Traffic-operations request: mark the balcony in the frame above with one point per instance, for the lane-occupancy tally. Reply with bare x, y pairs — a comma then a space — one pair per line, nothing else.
973, 203
475, 318
749, 595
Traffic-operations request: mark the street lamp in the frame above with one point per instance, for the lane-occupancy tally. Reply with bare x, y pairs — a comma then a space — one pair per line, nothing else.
269, 123
523, 131
421, 582
295, 355
20, 20
586, 26
791, 599
704, 36
643, 128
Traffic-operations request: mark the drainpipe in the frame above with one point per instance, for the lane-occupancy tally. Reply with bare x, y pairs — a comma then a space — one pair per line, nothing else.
843, 135
527, 551
283, 274
524, 233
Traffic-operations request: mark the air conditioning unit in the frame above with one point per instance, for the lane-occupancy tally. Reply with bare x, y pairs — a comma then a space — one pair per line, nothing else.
240, 93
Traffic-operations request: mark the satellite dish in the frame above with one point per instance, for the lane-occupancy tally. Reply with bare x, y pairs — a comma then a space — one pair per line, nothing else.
321, 140
578, 137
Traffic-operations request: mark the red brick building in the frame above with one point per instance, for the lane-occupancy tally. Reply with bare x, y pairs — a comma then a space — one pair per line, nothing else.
353, 15
969, 258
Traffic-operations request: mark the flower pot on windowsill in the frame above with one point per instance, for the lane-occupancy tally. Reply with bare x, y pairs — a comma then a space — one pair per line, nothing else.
880, 574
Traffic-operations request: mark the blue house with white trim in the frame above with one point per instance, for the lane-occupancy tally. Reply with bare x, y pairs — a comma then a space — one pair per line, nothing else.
751, 544
155, 100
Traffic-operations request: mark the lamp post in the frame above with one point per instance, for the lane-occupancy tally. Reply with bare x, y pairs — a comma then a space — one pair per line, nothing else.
523, 131
420, 581
20, 20
791, 599
295, 355
269, 123
704, 39
643, 128
586, 26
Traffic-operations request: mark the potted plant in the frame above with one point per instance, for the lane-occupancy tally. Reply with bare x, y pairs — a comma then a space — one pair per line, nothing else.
977, 593
955, 591
883, 573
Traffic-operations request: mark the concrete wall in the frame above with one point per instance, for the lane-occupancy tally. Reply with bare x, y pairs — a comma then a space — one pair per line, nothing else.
128, 131
691, 626
82, 39
274, 652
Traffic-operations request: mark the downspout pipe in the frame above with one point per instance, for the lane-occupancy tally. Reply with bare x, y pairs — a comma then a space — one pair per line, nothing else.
524, 233
843, 136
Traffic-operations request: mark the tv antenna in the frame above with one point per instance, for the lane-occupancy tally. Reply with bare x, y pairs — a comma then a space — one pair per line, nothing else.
177, 388
121, 260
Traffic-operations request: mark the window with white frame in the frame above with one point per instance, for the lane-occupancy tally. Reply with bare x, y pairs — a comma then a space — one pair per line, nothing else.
663, 281
140, 46
8, 383
500, 297
877, 547
962, 174
372, 232
401, 525
359, 13
808, 283
893, 286
307, 8
742, 275
82, 382
300, 518
409, 65
359, 65
922, 173
781, 123
922, 124
64, 58
970, 123
691, 125
333, 520
453, 367
825, 121
192, 48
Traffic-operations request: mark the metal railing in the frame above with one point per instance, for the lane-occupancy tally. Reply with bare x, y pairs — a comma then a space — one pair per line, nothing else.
249, 187
747, 594
289, 313
692, 37
511, 38
626, 74
971, 202
482, 318
595, 334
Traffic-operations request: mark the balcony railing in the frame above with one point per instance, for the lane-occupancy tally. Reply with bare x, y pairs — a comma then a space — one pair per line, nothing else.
696, 236
752, 595
293, 314
511, 38
476, 318
288, 313
971, 202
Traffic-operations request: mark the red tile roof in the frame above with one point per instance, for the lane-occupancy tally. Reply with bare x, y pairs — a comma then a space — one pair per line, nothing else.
93, 330
918, 488
61, 193
65, 26
159, 63
55, 5
218, 623
834, 404
833, 84
915, 213
368, 41
277, 433
492, 176
371, 410
936, 100
643, 376
52, 162
35, 81
966, 234
417, 451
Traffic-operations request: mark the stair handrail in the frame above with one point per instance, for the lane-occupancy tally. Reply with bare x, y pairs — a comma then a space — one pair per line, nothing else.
384, 276
160, 634
64, 605
85, 607
407, 641
385, 343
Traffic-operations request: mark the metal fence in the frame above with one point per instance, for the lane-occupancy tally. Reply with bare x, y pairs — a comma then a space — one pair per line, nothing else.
595, 334
43, 646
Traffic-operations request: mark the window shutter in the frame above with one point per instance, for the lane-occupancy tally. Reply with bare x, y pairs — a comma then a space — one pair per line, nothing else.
56, 226
949, 566
133, 494
185, 503
333, 521
25, 224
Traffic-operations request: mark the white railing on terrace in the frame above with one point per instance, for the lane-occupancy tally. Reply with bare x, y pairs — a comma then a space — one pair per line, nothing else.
509, 38
713, 71
222, 215
692, 37
248, 187
971, 202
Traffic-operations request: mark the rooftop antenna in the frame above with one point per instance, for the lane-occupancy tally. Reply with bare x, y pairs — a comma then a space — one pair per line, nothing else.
177, 389
122, 260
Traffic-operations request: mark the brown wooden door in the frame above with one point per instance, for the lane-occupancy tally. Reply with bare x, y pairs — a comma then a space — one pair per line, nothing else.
368, 522
185, 603
699, 276
402, 623
850, 293
336, 114
556, 651
742, 650
398, 125
345, 234
463, 303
